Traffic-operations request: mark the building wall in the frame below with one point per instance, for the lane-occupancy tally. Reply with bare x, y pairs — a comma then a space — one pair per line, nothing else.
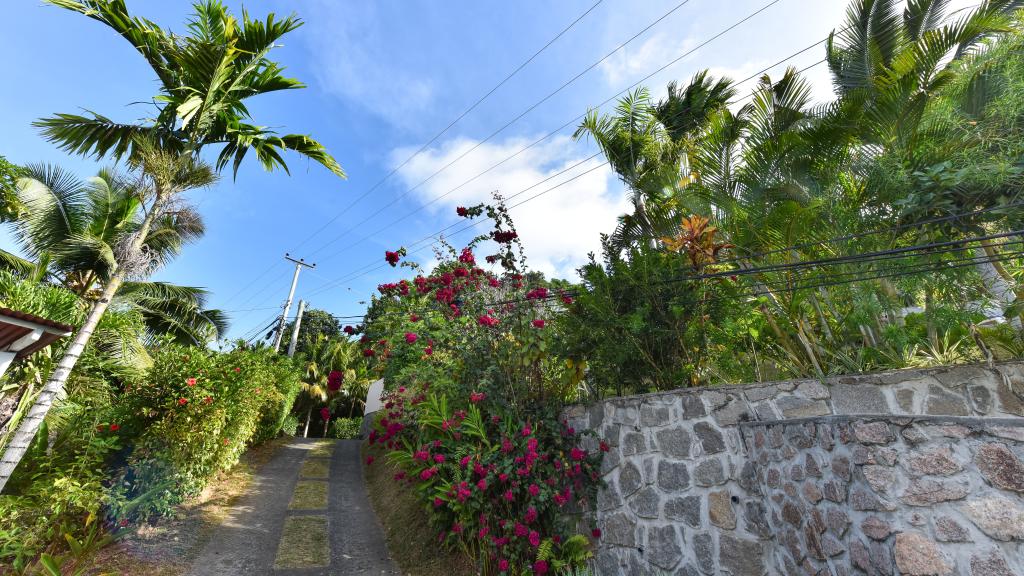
685, 493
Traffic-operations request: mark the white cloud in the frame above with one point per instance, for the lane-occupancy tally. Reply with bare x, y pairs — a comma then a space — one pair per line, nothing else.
557, 229
356, 61
634, 62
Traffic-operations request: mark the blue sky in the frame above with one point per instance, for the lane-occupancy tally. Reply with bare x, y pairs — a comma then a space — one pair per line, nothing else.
383, 78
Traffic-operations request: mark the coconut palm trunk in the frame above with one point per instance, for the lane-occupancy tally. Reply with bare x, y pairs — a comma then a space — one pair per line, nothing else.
54, 387
995, 284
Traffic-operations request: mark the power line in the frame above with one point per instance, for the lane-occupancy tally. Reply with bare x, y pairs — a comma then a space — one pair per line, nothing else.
450, 125
570, 122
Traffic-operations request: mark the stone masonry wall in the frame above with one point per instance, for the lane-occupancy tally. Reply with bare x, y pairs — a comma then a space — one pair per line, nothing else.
891, 495
683, 494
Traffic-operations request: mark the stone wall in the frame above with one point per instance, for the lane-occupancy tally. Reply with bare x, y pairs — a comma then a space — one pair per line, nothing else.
891, 495
683, 494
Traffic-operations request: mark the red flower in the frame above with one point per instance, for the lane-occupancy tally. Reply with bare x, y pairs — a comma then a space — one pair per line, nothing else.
368, 352
226, 441
486, 320
114, 427
509, 496
534, 490
191, 381
503, 565
325, 413
428, 350
334, 380
182, 401
537, 293
438, 502
540, 566
538, 323
123, 522
535, 541
349, 330
461, 211
467, 257
504, 237
414, 318
596, 532
237, 369
476, 397
208, 400
439, 458
391, 257
578, 454
604, 446
531, 515
369, 460
411, 337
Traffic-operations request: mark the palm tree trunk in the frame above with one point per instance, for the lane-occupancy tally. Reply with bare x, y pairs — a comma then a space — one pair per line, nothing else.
994, 282
54, 387
305, 431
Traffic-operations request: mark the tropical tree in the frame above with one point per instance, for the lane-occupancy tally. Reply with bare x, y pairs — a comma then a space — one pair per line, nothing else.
9, 174
334, 370
647, 144
901, 69
315, 323
205, 77
71, 230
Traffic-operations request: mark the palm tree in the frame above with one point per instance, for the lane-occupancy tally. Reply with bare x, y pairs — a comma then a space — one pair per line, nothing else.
323, 356
647, 145
897, 69
69, 229
205, 78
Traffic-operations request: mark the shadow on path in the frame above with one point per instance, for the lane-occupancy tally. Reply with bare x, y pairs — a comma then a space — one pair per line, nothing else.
246, 544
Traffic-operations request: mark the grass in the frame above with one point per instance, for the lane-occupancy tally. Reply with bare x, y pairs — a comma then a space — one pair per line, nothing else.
168, 547
314, 468
322, 450
411, 540
303, 543
309, 495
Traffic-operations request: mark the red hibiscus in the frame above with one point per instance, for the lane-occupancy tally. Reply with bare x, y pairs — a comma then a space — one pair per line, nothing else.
182, 401
114, 427
191, 381
538, 323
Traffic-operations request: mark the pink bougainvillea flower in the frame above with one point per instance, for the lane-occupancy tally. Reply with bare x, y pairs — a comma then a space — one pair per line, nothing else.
526, 431
534, 539
540, 567
502, 565
531, 515
438, 502
349, 330
508, 496
429, 350
578, 454
414, 318
325, 413
537, 293
538, 323
369, 460
604, 446
237, 369
369, 352
391, 257
461, 211
191, 381
182, 401
596, 532
439, 458
504, 237
411, 337
465, 461
467, 257
208, 400
521, 530
487, 320
475, 397
534, 490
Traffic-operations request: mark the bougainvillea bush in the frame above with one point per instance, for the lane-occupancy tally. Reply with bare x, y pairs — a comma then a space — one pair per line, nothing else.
194, 415
472, 412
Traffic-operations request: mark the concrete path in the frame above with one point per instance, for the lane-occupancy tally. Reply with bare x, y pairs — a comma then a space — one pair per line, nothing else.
282, 527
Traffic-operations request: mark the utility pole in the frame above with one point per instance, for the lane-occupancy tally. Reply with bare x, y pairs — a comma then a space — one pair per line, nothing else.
291, 294
295, 330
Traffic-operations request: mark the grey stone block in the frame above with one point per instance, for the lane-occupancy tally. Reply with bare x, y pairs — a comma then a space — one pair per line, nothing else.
859, 399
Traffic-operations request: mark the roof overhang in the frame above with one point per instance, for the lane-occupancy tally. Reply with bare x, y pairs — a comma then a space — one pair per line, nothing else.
24, 334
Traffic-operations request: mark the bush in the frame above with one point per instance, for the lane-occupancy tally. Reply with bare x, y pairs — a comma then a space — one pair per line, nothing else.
290, 426
194, 416
497, 485
346, 428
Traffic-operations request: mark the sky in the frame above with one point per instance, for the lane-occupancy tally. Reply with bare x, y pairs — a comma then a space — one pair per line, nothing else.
383, 79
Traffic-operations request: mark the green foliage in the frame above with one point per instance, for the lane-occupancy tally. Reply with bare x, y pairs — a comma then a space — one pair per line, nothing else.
194, 415
315, 323
10, 207
345, 428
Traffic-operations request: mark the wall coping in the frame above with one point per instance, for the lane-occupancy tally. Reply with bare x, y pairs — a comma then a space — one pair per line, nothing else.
878, 378
978, 422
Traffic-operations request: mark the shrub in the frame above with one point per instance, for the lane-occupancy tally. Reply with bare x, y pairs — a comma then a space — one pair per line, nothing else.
498, 486
290, 426
194, 416
346, 428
